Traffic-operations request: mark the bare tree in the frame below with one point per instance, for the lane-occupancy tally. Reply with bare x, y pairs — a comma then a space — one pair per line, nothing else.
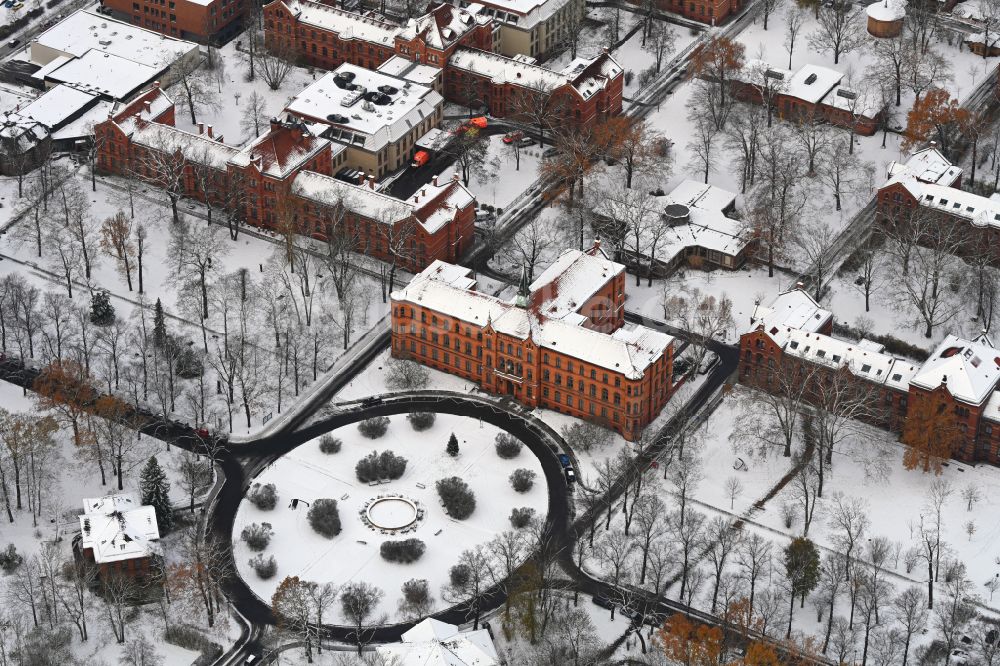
837, 31
922, 289
723, 540
795, 17
687, 529
254, 114
195, 82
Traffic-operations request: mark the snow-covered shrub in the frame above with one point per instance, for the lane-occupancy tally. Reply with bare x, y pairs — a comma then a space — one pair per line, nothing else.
522, 480
264, 497
376, 466
10, 559
329, 444
390, 465
404, 375
521, 517
457, 497
374, 427
586, 436
787, 515
416, 599
189, 364
324, 517
459, 575
257, 536
265, 567
405, 551
421, 421
507, 446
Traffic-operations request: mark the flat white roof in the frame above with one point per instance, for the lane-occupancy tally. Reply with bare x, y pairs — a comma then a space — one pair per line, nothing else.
401, 106
402, 68
85, 30
105, 73
57, 104
348, 25
812, 82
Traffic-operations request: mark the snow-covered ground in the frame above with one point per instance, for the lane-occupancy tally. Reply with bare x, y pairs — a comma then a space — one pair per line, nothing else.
501, 181
251, 252
353, 555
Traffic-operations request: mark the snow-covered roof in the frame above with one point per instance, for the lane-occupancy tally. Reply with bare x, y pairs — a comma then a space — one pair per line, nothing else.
694, 193
435, 643
792, 309
523, 14
118, 528
629, 350
398, 106
887, 10
571, 280
856, 101
347, 25
969, 369
992, 409
979, 210
403, 68
812, 82
991, 41
433, 206
929, 166
585, 75
196, 148
54, 108
282, 150
443, 25
86, 30
109, 74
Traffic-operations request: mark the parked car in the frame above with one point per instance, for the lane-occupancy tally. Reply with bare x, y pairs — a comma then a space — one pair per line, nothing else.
14, 42
707, 363
564, 461
603, 601
8, 4
525, 141
483, 215
511, 137
17, 5
570, 475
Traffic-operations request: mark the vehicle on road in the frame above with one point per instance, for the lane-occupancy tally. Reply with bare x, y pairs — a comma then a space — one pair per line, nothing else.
603, 601
8, 4
511, 137
17, 6
420, 158
14, 42
570, 475
525, 141
707, 363
564, 461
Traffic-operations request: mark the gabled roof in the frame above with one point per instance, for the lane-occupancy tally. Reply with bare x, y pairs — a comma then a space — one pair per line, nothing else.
347, 25
570, 281
793, 309
927, 166
281, 150
969, 370
118, 528
442, 26
434, 643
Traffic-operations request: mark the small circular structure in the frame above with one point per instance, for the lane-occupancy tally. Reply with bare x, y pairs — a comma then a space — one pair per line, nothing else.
676, 214
391, 513
885, 18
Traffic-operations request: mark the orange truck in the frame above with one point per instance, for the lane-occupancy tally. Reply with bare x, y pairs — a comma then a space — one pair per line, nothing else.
420, 158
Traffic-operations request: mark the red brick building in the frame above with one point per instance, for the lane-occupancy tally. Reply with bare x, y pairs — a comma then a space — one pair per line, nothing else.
711, 12
789, 343
926, 190
201, 21
285, 176
460, 41
810, 92
560, 344
118, 535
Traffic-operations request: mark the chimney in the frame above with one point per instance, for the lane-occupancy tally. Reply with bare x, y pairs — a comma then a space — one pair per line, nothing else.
201, 128
434, 180
423, 191
209, 128
371, 182
156, 84
148, 107
454, 177
800, 286
275, 124
361, 178
597, 244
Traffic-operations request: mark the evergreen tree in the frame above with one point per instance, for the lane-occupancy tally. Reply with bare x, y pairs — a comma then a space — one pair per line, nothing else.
159, 325
154, 488
102, 313
452, 446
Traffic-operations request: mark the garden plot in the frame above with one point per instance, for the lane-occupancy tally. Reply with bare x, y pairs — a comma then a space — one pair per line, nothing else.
353, 555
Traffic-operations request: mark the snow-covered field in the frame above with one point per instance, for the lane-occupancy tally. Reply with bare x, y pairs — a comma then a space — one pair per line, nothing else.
353, 555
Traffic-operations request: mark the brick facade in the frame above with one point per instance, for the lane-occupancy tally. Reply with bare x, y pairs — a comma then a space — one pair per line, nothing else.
213, 21
525, 361
286, 176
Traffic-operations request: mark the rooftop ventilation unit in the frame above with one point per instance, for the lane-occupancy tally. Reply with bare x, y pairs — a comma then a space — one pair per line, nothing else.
351, 98
810, 79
